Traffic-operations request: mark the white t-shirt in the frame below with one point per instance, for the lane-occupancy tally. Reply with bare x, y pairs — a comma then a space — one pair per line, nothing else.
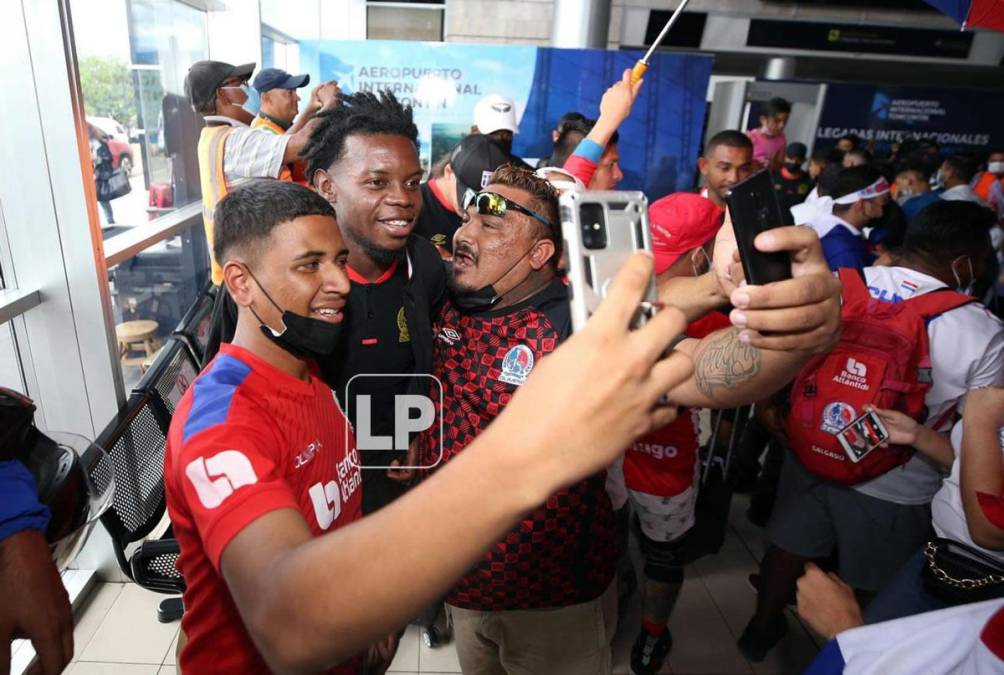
962, 193
250, 153
967, 352
947, 511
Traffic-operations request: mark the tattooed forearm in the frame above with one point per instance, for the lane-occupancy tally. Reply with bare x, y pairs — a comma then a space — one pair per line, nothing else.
722, 361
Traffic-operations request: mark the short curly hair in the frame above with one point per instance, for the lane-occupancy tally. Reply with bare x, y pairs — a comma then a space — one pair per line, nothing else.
360, 113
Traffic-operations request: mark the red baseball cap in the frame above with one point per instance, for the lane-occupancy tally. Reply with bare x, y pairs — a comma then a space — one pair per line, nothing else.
679, 223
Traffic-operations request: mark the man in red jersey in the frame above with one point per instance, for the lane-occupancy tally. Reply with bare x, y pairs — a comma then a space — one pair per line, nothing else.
258, 432
660, 469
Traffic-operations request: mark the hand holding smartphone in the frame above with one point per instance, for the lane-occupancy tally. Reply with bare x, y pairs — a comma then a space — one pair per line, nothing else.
754, 208
601, 230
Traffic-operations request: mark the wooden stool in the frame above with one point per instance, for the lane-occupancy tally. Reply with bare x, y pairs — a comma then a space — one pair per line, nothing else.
138, 336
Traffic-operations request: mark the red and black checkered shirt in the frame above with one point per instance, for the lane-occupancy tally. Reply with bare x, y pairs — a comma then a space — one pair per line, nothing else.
562, 553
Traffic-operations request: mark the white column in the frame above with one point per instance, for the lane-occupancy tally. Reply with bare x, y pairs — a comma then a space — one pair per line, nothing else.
580, 24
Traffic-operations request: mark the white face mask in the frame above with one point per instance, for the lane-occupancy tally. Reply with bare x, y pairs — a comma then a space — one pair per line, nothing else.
904, 195
996, 168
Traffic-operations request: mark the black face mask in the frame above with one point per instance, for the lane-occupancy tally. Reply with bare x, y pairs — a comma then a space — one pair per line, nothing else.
301, 336
792, 167
485, 297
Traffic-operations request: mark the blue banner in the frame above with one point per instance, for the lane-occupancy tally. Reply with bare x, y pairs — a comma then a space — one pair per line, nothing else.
958, 120
659, 143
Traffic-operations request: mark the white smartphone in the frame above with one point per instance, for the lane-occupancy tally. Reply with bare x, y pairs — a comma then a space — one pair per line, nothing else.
862, 436
601, 230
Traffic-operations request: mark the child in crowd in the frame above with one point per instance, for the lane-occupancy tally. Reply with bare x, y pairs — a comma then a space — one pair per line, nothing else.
769, 141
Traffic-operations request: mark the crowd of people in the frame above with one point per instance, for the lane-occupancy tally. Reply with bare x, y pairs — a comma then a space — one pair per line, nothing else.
345, 274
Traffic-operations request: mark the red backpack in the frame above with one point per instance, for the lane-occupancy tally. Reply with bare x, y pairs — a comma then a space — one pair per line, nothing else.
882, 359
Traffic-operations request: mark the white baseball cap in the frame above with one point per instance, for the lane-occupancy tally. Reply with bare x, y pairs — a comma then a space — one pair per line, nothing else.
495, 112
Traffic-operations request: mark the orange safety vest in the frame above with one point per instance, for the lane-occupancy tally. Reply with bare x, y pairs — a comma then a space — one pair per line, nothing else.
294, 172
214, 183
983, 185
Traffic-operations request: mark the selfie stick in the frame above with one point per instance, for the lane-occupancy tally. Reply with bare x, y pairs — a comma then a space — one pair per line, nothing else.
639, 68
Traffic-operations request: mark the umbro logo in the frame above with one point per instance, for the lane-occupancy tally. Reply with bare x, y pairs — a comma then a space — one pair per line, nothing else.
449, 336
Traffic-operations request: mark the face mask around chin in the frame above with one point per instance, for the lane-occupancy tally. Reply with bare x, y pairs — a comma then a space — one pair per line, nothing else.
304, 337
301, 336
485, 297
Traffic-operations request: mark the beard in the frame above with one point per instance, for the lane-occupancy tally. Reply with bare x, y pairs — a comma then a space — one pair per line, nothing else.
454, 285
377, 253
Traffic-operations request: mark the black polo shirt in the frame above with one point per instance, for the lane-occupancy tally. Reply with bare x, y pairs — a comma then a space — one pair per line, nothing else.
792, 189
437, 222
375, 341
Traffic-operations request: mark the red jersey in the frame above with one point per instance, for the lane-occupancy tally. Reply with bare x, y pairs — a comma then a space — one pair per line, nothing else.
248, 439
662, 462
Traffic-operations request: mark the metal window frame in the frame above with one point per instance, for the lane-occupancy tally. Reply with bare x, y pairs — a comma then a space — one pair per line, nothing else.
128, 244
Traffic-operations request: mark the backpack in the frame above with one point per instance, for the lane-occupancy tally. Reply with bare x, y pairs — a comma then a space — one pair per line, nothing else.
882, 359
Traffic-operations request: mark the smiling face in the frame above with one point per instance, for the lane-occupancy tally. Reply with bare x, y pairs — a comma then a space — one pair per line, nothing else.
374, 188
502, 252
299, 268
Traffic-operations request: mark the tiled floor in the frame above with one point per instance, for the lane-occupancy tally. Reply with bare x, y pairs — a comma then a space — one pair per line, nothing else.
118, 632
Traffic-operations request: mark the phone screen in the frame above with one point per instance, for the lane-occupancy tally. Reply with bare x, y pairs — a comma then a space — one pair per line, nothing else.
862, 436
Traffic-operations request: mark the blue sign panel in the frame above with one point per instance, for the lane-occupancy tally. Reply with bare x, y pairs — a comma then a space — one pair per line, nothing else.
659, 143
960, 121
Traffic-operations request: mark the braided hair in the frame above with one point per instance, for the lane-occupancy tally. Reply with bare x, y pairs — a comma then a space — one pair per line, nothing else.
360, 113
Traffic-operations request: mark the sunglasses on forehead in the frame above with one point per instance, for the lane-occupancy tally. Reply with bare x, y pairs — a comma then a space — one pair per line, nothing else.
493, 204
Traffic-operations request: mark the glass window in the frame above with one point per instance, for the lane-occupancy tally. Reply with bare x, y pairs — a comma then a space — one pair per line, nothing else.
133, 56
404, 23
151, 292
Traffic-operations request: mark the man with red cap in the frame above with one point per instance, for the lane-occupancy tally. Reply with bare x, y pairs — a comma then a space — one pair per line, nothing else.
660, 469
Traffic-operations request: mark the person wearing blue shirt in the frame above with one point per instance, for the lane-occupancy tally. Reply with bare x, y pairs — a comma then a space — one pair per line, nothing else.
35, 603
913, 183
858, 196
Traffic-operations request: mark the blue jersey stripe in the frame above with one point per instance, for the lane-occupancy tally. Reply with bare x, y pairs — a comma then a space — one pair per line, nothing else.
213, 393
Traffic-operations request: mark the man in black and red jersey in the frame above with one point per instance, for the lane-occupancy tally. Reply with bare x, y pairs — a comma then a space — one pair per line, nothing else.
508, 310
259, 462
